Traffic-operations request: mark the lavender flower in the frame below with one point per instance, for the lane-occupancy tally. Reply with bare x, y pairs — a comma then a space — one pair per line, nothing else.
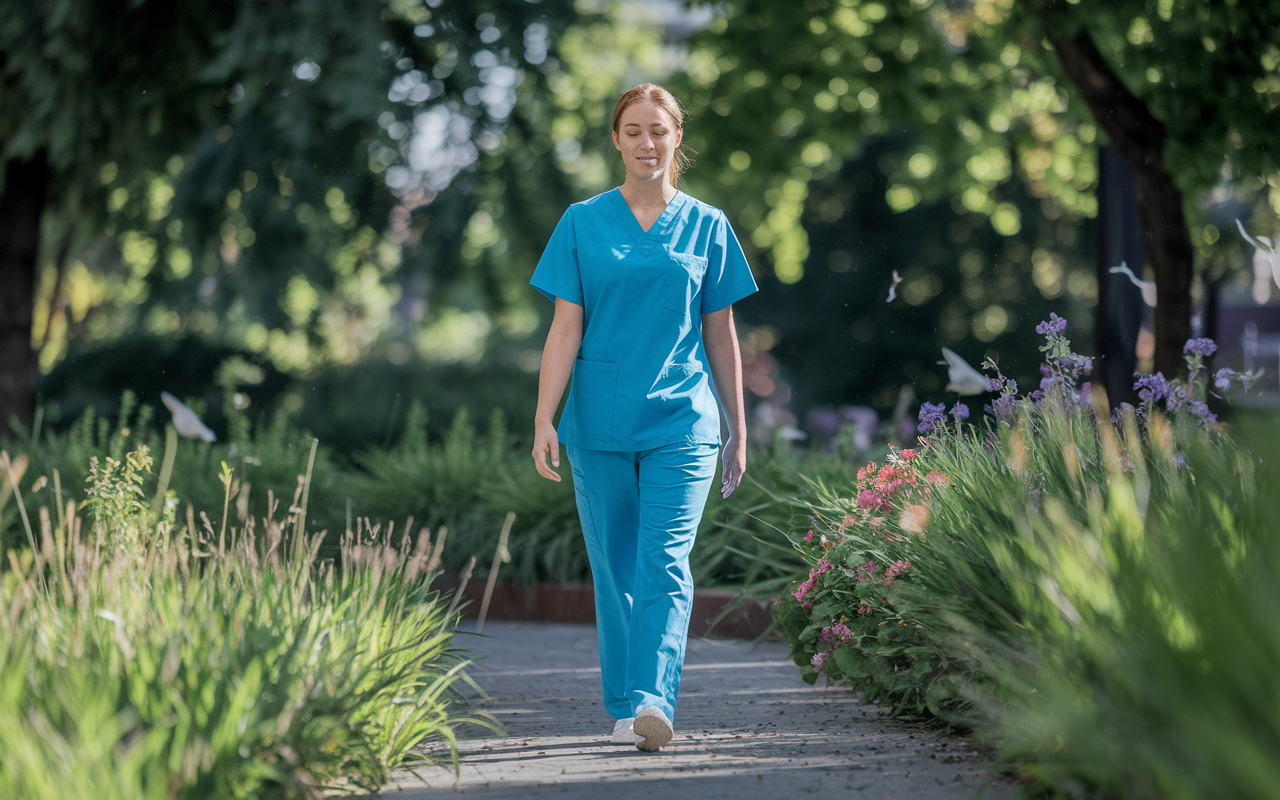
1152, 388
931, 416
1200, 347
1117, 416
1222, 378
1003, 407
959, 412
1052, 326
1201, 410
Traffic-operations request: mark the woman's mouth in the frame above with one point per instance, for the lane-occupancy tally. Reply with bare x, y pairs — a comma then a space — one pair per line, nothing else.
649, 161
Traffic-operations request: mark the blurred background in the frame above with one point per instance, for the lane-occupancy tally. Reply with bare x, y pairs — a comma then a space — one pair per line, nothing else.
329, 209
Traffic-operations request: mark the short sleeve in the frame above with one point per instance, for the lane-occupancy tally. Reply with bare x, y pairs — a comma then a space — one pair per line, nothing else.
557, 272
728, 278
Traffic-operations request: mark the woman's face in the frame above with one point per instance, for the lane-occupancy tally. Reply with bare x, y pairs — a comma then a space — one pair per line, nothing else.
647, 140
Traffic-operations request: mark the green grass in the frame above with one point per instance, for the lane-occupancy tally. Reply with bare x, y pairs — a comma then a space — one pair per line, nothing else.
141, 657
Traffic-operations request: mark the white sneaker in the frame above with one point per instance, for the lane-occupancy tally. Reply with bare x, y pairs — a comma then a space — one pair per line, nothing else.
623, 733
652, 729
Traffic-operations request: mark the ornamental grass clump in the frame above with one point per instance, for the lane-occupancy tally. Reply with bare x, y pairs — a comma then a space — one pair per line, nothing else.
143, 658
1092, 592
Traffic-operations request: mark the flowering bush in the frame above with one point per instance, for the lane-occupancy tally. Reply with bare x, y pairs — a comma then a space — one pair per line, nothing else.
927, 553
843, 619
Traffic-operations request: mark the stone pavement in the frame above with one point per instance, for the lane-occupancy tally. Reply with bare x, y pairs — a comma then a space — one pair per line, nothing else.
746, 727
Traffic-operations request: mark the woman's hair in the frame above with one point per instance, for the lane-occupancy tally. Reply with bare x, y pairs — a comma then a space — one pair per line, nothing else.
660, 97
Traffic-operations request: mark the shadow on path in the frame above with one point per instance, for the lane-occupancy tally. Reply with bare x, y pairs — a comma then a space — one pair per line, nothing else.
746, 727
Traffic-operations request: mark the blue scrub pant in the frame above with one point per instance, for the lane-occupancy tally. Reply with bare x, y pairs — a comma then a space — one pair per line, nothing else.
640, 512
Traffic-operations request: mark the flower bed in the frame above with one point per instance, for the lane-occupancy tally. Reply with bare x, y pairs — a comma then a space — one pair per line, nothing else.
1085, 588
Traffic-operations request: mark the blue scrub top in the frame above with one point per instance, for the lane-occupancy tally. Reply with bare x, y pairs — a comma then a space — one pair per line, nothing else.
642, 379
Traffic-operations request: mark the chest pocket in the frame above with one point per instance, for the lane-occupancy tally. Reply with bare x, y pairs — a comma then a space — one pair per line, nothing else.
683, 280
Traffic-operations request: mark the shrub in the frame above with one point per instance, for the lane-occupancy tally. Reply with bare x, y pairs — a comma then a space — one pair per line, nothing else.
1088, 590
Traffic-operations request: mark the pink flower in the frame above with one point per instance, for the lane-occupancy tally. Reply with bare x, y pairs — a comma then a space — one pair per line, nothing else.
803, 590
937, 477
818, 660
908, 454
864, 609
808, 537
869, 499
837, 634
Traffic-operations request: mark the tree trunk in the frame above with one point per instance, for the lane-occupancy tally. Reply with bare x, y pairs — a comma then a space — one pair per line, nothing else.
1140, 138
21, 206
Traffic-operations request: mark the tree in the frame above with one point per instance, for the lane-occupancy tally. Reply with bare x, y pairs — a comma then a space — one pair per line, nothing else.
1188, 90
154, 122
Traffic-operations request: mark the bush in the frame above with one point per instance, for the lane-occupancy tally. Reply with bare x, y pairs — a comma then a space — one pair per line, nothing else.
1090, 591
466, 481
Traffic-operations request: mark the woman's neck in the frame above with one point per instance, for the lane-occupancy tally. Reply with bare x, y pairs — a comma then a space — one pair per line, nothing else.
647, 194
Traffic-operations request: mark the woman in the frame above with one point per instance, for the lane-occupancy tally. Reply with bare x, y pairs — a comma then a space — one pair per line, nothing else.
643, 278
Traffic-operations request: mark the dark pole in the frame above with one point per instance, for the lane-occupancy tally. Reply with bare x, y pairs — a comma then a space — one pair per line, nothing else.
1120, 308
22, 199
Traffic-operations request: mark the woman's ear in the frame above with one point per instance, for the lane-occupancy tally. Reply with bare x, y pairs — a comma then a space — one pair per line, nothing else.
616, 146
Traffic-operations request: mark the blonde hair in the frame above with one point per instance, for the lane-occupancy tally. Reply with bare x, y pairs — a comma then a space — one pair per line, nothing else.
660, 97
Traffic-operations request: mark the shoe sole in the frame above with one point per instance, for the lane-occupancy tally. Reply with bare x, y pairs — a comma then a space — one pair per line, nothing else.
655, 733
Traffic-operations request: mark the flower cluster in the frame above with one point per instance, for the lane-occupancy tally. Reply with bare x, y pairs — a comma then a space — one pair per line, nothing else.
895, 569
877, 485
1189, 395
1002, 408
803, 591
837, 634
931, 416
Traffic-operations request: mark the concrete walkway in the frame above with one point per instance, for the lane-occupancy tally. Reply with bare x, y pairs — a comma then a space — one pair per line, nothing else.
746, 727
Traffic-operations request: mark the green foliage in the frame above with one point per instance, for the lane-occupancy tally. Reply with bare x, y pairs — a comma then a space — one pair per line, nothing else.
269, 457
1090, 594
114, 497
264, 186
801, 89
183, 664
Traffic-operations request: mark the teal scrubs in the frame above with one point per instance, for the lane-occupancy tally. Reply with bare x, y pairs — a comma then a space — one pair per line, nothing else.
642, 422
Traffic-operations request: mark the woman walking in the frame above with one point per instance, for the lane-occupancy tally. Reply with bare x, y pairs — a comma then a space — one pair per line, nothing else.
643, 278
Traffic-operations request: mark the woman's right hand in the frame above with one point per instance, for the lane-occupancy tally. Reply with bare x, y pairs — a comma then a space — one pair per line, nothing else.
546, 443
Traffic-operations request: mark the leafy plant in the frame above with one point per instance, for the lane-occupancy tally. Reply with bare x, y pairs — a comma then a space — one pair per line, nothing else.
146, 660
1084, 590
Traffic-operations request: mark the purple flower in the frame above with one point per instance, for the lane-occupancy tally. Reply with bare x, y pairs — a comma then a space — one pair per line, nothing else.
818, 660
931, 415
1152, 388
1222, 378
1201, 410
1052, 326
1200, 347
1117, 416
959, 412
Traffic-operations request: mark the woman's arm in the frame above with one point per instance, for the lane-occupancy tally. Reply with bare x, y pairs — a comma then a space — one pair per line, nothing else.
557, 365
720, 338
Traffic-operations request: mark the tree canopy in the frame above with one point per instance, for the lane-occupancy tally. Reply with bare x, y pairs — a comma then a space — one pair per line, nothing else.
260, 168
998, 92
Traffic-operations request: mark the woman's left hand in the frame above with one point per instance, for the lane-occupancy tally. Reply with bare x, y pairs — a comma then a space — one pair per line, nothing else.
734, 459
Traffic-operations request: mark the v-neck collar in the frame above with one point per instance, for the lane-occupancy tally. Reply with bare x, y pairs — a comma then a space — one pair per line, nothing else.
629, 221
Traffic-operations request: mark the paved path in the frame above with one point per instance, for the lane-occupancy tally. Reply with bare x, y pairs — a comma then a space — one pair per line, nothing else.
747, 727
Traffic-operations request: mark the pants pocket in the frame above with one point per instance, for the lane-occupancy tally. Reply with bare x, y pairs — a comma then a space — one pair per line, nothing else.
684, 279
594, 394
